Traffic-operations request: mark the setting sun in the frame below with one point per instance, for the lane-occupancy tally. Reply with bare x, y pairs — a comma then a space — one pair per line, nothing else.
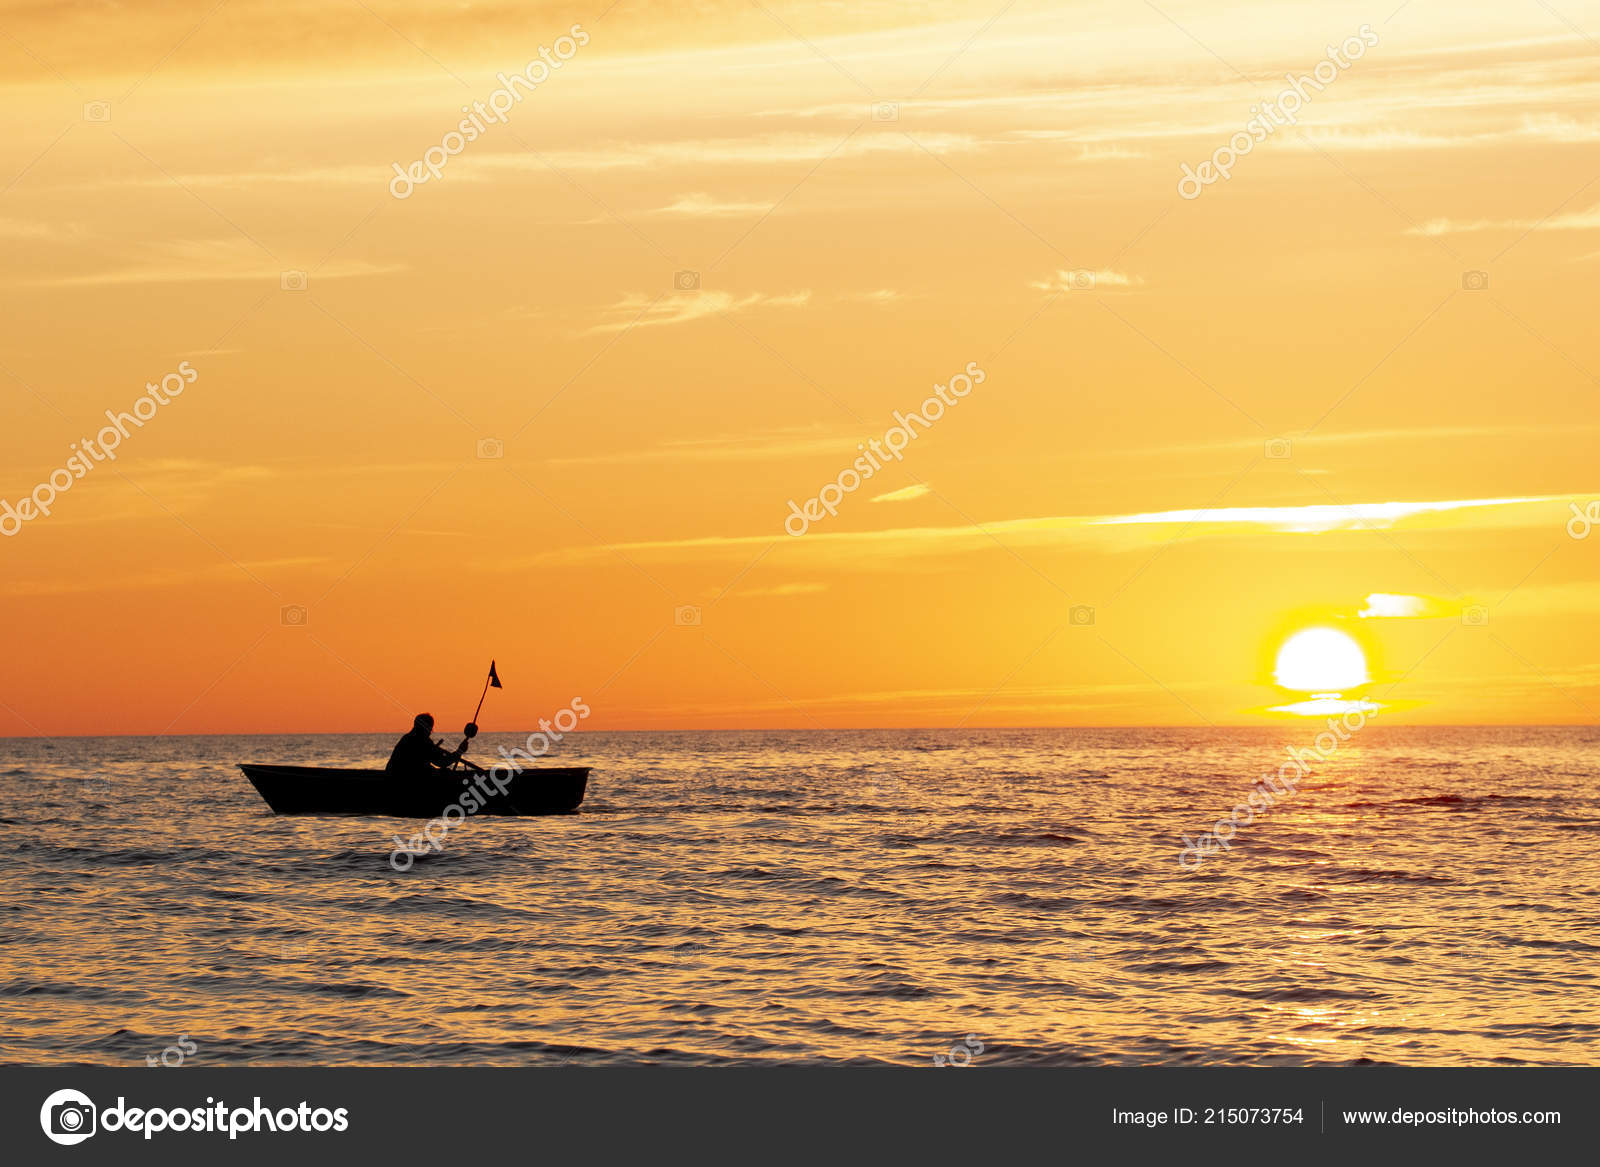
1321, 660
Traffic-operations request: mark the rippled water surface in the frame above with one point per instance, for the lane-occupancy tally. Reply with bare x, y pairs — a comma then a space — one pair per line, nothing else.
1429, 897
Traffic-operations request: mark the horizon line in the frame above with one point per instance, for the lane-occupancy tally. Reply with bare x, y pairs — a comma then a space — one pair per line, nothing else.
1308, 721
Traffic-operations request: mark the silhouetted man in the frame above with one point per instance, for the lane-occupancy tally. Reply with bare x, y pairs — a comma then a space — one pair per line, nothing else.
418, 753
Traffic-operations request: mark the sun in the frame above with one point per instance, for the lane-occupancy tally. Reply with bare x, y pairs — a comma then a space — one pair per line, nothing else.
1321, 660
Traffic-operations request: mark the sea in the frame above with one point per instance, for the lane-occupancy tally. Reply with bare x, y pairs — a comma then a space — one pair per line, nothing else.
965, 899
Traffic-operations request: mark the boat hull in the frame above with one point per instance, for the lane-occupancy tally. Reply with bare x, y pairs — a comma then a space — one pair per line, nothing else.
315, 790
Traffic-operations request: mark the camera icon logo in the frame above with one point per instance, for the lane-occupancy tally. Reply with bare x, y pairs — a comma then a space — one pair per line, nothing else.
1476, 616
1279, 448
1080, 615
1081, 280
886, 111
293, 616
491, 448
1474, 281
686, 281
97, 111
67, 1117
292, 281
686, 616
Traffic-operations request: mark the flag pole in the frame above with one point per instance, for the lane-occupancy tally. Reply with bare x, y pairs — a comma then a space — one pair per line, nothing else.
491, 679
481, 696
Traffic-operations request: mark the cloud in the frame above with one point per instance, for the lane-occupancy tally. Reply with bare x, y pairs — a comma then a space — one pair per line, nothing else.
1540, 131
1086, 280
1097, 152
34, 229
876, 296
1030, 700
757, 447
904, 494
751, 150
204, 260
374, 177
163, 579
744, 150
1392, 606
1588, 220
1321, 439
1109, 154
1327, 705
788, 589
704, 206
686, 307
1316, 517
881, 546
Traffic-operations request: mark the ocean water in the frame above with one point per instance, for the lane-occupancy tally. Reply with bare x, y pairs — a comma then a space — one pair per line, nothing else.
1429, 897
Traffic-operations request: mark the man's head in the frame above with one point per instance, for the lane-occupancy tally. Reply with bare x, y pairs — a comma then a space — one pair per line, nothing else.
422, 723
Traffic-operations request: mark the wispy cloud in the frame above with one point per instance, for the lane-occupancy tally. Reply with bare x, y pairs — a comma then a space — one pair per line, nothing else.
784, 590
904, 494
640, 311
31, 229
1588, 220
758, 447
1316, 517
308, 175
1016, 702
174, 578
205, 260
1399, 606
1538, 511
734, 150
1086, 280
1363, 438
742, 150
1543, 130
704, 206
1087, 152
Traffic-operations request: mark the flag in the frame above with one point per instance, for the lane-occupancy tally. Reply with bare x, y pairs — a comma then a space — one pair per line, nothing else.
494, 677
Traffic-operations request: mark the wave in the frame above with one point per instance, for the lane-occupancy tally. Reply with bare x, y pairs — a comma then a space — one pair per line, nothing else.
1458, 801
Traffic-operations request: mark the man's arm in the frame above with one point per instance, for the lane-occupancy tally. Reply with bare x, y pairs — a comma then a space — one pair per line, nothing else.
442, 758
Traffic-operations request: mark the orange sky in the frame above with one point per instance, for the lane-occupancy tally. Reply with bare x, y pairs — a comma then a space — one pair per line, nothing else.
872, 200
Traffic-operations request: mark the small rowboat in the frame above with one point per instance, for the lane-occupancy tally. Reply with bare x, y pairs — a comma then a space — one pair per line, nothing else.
315, 790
